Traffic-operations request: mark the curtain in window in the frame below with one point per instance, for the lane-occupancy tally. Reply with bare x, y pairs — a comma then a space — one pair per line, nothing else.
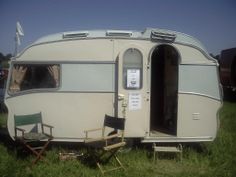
54, 72
18, 74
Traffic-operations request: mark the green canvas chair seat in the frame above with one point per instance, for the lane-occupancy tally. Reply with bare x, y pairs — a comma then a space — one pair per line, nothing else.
33, 138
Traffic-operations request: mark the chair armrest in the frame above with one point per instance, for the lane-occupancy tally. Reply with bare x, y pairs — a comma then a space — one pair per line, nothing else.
50, 128
91, 130
90, 140
105, 139
46, 125
19, 129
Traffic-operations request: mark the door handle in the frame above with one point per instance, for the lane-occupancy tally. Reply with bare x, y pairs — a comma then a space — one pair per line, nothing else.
121, 97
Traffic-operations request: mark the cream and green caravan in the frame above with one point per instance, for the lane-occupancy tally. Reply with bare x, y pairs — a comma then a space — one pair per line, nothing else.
163, 82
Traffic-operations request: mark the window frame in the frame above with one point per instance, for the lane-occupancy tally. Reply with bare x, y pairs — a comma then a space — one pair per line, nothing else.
75, 88
125, 71
199, 79
34, 90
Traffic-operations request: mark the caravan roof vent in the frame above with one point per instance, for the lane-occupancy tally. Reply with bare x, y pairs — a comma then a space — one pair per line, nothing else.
168, 37
119, 33
80, 34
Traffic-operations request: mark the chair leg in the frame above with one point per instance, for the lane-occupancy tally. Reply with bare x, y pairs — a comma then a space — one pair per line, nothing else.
112, 153
121, 165
35, 152
32, 150
39, 156
118, 166
103, 157
100, 168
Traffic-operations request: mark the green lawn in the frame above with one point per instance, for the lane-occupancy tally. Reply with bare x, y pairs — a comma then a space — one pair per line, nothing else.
3, 120
216, 159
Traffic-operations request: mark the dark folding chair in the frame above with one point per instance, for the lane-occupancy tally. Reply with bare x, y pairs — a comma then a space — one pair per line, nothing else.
102, 149
33, 139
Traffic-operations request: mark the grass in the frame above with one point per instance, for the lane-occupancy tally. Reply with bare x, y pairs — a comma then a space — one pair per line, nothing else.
3, 120
216, 159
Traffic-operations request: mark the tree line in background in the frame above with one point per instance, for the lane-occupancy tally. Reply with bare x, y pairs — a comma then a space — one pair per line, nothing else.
4, 65
4, 60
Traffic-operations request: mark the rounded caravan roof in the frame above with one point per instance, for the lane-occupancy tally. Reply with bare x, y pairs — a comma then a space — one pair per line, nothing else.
152, 34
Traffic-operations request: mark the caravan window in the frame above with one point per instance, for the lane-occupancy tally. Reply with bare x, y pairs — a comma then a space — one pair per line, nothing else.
98, 77
199, 79
132, 69
33, 76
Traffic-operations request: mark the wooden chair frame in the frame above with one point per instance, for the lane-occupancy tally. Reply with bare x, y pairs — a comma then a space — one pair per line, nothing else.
28, 138
102, 149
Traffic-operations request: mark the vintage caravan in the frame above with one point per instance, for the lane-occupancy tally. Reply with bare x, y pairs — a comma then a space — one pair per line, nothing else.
162, 82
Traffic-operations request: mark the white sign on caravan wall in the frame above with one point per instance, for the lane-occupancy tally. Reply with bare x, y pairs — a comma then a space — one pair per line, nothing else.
133, 78
135, 101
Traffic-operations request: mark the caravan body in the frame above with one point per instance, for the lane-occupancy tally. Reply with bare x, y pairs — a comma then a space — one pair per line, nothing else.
163, 82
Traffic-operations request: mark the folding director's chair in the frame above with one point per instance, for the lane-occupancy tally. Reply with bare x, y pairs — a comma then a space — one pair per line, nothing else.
102, 149
36, 136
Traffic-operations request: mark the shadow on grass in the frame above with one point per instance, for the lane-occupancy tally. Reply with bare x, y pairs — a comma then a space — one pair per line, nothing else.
229, 95
6, 139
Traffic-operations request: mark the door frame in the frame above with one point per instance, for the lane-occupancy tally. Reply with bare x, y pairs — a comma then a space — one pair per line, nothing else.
178, 57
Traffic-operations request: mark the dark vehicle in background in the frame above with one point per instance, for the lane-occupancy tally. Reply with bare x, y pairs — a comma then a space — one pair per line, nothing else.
227, 61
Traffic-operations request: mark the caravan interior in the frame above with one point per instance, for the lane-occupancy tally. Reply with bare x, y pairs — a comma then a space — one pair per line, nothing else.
164, 90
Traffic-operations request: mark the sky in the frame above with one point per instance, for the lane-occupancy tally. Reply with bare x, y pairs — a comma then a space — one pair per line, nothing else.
213, 22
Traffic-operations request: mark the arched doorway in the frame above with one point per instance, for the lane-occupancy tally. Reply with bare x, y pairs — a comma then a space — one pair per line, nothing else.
164, 90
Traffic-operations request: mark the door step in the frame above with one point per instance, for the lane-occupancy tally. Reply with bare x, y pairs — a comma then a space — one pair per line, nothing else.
175, 149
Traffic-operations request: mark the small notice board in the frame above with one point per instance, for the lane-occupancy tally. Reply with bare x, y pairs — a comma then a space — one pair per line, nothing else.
133, 78
135, 101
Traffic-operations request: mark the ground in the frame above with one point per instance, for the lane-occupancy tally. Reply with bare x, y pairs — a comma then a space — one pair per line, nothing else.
217, 158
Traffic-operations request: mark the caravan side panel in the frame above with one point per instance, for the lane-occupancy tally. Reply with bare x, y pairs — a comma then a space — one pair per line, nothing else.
69, 113
197, 116
199, 101
74, 50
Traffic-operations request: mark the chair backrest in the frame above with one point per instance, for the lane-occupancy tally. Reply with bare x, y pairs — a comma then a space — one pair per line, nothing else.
28, 119
114, 122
